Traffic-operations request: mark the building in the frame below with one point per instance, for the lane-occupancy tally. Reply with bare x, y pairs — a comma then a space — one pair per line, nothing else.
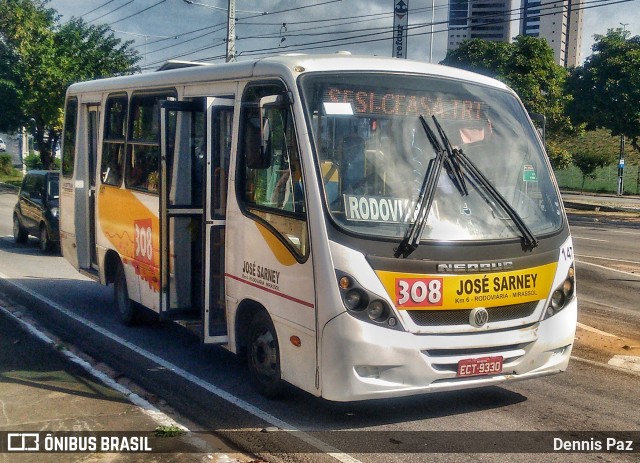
479, 19
559, 22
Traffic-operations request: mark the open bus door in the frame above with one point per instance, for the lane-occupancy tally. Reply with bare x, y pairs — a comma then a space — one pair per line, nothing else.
194, 157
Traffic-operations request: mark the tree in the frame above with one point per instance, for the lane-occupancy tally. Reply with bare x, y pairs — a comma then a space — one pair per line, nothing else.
527, 65
44, 59
606, 89
588, 161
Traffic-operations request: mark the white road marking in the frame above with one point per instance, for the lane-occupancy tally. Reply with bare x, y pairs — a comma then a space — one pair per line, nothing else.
596, 330
608, 268
609, 259
604, 365
588, 239
255, 411
628, 362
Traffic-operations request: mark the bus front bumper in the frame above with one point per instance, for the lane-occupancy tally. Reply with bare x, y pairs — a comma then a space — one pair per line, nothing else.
364, 361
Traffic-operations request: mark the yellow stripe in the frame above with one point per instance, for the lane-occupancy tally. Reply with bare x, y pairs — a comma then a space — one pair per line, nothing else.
279, 250
411, 291
118, 210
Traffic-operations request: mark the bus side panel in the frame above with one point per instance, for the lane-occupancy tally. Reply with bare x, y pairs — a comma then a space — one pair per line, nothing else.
128, 224
260, 268
68, 244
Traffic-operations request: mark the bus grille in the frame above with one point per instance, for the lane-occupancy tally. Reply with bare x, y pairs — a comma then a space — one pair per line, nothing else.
461, 317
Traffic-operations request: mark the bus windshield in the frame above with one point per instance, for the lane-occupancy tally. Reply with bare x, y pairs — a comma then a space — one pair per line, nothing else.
373, 154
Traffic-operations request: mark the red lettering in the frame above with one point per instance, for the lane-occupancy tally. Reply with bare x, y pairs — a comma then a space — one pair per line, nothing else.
361, 102
385, 107
334, 95
425, 106
412, 106
466, 109
438, 107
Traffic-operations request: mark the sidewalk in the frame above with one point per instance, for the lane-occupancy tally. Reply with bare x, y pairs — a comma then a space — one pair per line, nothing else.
605, 202
44, 389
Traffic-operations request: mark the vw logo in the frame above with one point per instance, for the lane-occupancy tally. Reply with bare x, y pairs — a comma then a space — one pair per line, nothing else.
478, 317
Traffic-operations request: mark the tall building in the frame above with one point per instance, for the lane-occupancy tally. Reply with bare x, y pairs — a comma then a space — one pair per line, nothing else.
557, 21
479, 19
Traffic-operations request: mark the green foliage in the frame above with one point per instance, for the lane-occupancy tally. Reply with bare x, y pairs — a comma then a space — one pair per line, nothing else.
6, 165
559, 157
527, 65
39, 59
169, 431
590, 151
33, 162
606, 90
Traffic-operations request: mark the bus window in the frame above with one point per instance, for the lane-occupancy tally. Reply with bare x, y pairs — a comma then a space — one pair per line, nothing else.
69, 153
114, 140
271, 174
143, 150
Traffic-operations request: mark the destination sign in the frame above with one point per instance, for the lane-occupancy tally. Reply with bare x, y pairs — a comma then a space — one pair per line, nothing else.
379, 209
393, 103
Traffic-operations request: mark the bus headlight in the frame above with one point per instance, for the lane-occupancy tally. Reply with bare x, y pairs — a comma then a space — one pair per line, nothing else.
365, 305
377, 311
355, 299
562, 295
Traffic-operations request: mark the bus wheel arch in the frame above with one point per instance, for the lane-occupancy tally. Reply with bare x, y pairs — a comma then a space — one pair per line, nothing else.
111, 263
259, 342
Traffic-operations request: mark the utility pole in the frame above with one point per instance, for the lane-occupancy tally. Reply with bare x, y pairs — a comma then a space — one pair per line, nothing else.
231, 31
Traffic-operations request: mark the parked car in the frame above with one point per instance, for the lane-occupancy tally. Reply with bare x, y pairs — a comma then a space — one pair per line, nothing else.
36, 212
3, 145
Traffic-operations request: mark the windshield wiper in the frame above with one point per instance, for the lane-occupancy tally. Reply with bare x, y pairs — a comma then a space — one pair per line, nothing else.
425, 198
459, 159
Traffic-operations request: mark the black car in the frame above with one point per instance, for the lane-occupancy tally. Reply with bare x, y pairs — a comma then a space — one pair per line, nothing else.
36, 212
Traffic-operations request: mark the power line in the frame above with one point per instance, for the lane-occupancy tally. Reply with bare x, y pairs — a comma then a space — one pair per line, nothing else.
97, 8
137, 13
324, 44
112, 11
312, 45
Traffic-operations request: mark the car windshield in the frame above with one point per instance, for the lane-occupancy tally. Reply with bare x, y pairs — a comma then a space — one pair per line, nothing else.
373, 154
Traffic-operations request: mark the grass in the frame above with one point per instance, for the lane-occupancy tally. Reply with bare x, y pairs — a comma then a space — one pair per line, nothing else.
14, 179
168, 431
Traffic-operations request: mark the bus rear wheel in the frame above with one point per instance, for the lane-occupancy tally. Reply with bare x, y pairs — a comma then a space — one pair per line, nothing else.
127, 309
263, 355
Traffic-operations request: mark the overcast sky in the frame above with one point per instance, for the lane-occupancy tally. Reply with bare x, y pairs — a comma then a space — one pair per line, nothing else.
173, 29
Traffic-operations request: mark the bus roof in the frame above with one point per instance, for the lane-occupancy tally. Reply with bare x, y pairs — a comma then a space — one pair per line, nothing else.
293, 64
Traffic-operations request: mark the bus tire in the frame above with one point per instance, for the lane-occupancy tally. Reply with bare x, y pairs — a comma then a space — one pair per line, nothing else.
263, 356
127, 309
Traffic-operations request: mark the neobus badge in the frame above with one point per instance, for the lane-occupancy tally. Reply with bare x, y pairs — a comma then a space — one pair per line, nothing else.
479, 267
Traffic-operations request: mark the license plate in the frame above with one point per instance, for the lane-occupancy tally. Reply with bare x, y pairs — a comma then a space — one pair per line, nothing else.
480, 366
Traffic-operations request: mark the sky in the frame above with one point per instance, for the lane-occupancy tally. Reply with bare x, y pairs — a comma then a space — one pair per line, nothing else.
176, 29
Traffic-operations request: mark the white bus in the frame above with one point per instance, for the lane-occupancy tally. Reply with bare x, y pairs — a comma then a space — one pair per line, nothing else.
359, 227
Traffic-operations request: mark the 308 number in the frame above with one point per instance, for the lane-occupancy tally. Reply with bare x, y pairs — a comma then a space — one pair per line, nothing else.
418, 292
143, 241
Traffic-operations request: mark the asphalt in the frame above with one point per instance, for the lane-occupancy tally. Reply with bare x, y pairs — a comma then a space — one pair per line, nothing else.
52, 399
45, 388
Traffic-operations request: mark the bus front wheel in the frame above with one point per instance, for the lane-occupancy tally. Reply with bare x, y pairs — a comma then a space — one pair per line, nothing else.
127, 310
264, 357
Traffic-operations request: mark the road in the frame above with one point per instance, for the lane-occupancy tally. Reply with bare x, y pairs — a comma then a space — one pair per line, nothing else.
211, 386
